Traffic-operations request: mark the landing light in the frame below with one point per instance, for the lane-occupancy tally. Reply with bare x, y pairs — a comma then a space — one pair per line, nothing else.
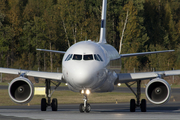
119, 84
88, 92
82, 91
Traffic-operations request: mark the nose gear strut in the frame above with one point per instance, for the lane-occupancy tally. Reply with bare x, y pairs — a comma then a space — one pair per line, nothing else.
85, 107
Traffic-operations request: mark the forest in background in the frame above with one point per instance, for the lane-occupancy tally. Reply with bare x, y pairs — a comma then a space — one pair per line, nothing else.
57, 24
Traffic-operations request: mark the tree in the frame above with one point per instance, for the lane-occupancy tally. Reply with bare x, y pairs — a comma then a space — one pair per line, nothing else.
134, 36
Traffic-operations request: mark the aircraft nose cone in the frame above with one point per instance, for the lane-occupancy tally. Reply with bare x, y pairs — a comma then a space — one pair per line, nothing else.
82, 77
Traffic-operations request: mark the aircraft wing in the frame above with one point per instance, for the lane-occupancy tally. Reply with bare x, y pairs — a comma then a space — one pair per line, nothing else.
129, 77
37, 74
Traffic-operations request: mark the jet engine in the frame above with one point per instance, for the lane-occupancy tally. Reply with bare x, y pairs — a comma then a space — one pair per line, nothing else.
21, 90
158, 91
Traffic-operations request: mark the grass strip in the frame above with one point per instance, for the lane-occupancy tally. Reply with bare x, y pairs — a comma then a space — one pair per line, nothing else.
69, 97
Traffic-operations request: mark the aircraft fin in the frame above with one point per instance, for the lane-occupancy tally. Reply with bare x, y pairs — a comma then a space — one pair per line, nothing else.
103, 23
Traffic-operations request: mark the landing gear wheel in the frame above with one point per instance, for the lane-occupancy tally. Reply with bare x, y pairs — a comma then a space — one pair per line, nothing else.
132, 105
88, 108
54, 104
43, 104
81, 108
143, 105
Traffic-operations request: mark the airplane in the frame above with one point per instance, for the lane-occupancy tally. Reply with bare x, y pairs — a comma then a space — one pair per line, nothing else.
86, 68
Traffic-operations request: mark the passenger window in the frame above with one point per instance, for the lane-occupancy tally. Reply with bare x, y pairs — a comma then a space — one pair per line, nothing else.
68, 57
96, 57
99, 57
88, 57
77, 57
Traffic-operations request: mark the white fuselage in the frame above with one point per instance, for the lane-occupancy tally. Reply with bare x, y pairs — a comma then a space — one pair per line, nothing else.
85, 66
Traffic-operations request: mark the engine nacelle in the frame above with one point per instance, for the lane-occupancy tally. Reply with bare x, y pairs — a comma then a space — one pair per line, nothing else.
21, 90
158, 91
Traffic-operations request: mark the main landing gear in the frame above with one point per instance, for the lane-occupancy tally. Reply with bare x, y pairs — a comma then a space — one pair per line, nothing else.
54, 103
85, 107
133, 103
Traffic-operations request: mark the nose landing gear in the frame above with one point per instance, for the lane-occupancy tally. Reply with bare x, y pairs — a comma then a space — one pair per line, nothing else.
85, 107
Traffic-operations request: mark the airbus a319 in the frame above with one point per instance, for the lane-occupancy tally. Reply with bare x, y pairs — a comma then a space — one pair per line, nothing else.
86, 68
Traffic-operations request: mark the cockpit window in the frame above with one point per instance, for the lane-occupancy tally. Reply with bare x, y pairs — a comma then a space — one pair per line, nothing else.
85, 57
88, 57
68, 57
77, 57
99, 57
96, 57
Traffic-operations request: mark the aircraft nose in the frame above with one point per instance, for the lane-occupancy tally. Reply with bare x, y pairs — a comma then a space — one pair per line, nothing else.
82, 77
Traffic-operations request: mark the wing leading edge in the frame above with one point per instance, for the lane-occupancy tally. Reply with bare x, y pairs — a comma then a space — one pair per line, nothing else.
129, 77
37, 74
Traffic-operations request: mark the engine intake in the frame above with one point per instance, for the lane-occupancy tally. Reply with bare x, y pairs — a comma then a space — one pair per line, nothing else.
21, 90
158, 91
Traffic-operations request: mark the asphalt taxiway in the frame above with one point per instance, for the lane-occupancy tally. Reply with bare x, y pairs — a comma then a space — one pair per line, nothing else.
120, 111
169, 111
